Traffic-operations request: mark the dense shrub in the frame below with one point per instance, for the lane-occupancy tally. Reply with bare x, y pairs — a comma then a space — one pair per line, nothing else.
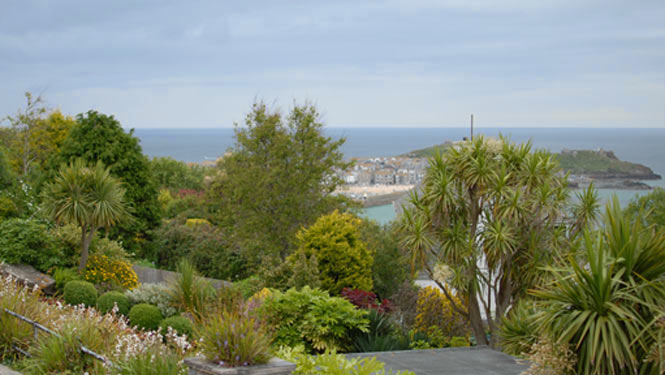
234, 339
204, 245
366, 300
190, 292
145, 316
249, 286
28, 242
405, 304
64, 275
331, 363
180, 324
382, 335
80, 292
391, 266
435, 310
153, 294
312, 318
175, 174
343, 259
106, 301
111, 273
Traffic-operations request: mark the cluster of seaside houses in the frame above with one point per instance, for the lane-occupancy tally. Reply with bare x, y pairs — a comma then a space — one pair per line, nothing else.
395, 170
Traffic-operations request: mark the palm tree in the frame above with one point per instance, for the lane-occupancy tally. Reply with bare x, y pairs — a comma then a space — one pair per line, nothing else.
88, 196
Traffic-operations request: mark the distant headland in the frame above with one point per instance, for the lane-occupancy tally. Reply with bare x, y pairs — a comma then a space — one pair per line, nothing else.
382, 180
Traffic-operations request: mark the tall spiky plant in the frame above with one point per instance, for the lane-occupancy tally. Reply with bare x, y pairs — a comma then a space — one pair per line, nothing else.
605, 304
87, 196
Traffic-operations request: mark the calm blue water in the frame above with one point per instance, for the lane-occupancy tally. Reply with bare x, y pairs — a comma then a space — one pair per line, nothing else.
641, 145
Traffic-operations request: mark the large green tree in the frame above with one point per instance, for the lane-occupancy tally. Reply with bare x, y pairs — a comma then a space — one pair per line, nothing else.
87, 196
98, 137
277, 178
489, 215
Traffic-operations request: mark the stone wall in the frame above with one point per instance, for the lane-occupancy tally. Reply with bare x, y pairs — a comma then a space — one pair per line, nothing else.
149, 275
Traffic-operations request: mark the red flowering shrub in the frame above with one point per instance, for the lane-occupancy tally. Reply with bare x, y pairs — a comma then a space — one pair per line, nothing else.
366, 300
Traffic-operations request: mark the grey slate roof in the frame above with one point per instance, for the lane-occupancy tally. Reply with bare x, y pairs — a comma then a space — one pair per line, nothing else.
450, 361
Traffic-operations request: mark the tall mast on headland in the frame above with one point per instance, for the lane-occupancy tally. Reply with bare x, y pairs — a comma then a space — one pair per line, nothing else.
471, 127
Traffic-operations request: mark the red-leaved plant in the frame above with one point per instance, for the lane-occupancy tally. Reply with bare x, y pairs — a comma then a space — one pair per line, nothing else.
367, 300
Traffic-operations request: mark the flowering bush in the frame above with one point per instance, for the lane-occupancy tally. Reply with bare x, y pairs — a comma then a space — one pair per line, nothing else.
108, 335
234, 339
366, 300
436, 316
102, 270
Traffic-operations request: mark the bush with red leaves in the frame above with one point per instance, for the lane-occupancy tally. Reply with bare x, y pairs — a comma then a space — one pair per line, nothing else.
366, 300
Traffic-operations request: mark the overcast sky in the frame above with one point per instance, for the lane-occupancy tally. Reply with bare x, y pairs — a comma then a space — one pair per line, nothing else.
519, 63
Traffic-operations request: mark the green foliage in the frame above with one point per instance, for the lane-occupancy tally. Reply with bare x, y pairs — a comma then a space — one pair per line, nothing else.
249, 286
312, 318
100, 138
189, 292
234, 339
153, 294
6, 175
518, 331
304, 271
145, 316
382, 335
331, 363
59, 355
650, 208
64, 275
205, 246
459, 341
604, 303
78, 292
343, 259
590, 161
278, 177
175, 175
106, 301
495, 202
180, 324
87, 196
184, 206
153, 362
28, 242
390, 268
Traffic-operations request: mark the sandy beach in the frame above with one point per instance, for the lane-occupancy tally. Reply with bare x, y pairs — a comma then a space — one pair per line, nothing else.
372, 190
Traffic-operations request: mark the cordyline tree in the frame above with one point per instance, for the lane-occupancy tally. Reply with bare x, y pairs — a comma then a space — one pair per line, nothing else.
489, 215
87, 196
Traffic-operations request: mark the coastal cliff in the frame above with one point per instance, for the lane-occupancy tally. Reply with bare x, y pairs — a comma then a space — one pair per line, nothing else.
602, 165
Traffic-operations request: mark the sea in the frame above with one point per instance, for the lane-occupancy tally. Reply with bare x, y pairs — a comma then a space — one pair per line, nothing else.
640, 145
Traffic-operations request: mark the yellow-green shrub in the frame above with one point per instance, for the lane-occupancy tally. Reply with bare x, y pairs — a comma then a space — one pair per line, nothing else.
102, 270
343, 259
436, 316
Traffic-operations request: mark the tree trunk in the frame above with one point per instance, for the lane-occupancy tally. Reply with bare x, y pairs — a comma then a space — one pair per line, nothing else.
85, 245
476, 320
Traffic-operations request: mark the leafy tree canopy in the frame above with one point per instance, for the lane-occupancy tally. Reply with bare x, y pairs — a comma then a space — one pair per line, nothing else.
98, 137
177, 175
276, 179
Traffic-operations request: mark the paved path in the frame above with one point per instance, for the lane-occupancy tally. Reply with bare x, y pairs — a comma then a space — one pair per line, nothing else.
7, 371
450, 361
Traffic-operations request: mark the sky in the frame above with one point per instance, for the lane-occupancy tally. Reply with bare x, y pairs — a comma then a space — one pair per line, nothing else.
399, 63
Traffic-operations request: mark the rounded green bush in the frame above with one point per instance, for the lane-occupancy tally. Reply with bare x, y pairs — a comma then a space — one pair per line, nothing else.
145, 316
458, 341
106, 301
180, 324
78, 292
